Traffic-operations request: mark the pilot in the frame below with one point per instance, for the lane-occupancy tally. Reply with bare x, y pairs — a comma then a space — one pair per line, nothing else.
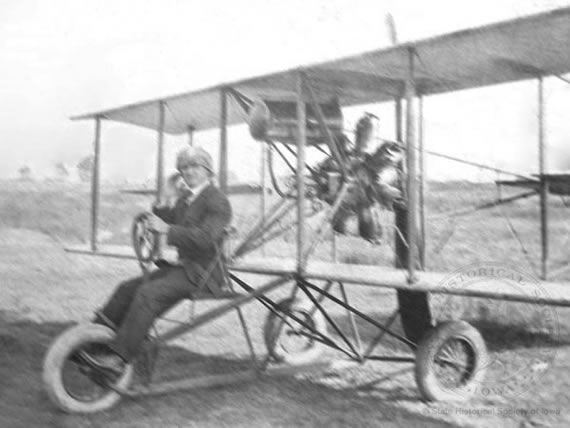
195, 226
175, 188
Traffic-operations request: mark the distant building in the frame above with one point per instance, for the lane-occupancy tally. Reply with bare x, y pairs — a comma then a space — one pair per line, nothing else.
25, 173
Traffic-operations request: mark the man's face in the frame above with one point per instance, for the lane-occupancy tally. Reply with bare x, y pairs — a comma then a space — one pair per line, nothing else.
194, 174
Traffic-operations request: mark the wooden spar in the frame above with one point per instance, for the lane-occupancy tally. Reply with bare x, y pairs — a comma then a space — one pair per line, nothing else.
204, 381
160, 153
411, 168
422, 160
301, 141
543, 181
95, 184
208, 381
223, 169
190, 130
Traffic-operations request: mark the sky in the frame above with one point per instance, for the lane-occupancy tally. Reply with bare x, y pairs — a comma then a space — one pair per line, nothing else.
65, 57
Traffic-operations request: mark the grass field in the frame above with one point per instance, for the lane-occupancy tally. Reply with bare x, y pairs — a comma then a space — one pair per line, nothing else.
44, 290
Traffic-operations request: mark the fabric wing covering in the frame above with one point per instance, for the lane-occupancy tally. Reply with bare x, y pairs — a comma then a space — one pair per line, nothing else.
503, 52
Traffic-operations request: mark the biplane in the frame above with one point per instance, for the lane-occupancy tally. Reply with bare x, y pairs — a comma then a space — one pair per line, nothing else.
301, 109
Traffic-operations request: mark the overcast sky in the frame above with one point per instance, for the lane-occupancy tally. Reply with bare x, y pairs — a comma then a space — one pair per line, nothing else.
65, 57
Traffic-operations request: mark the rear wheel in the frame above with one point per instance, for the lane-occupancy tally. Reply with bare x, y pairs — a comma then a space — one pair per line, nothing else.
73, 385
451, 362
291, 342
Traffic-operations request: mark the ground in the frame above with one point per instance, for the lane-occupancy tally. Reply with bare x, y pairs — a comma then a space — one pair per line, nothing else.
45, 290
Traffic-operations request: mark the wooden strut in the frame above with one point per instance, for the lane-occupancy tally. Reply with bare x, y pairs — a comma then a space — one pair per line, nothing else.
160, 153
273, 307
161, 241
290, 150
95, 183
276, 214
323, 227
411, 169
374, 343
479, 165
222, 309
353, 325
263, 199
362, 315
260, 240
257, 228
422, 202
543, 182
486, 205
223, 162
325, 130
301, 143
355, 353
190, 130
413, 306
325, 224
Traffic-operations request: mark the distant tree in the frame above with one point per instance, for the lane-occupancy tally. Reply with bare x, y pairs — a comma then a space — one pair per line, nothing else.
233, 177
85, 168
25, 173
61, 171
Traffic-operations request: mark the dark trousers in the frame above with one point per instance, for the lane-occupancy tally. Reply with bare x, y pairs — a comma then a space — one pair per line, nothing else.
137, 302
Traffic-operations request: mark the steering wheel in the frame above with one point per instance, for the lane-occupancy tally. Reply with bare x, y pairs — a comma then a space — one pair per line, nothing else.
145, 241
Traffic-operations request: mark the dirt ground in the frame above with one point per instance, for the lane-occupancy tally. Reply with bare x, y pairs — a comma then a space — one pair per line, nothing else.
45, 290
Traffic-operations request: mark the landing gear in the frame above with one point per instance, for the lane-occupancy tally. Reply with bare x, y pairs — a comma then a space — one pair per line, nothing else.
451, 362
73, 383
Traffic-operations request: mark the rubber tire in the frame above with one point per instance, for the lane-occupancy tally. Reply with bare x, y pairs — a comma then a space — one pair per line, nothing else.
272, 322
426, 379
59, 352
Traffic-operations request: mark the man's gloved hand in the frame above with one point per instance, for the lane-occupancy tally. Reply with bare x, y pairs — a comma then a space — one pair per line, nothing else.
158, 225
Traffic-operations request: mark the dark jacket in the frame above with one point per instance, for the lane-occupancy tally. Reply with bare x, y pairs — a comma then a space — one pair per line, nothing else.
197, 231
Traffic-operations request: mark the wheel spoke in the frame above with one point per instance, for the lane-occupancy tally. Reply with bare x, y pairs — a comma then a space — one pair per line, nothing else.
453, 362
290, 334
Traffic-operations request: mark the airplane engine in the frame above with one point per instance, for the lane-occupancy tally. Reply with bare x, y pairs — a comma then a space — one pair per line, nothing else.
277, 121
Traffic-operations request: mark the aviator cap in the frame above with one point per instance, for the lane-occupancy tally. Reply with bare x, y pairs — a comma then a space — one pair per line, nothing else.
194, 155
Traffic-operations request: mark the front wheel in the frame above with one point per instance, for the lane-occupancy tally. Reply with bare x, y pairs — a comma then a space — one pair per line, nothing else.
451, 362
290, 341
74, 386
